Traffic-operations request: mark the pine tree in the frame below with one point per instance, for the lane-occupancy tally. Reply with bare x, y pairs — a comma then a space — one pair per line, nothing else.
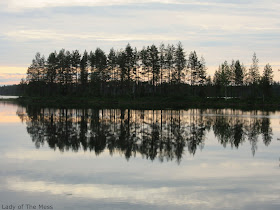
201, 73
36, 71
92, 64
61, 57
144, 57
75, 61
52, 67
162, 61
170, 61
180, 63
84, 69
68, 67
130, 61
121, 61
193, 65
154, 62
112, 63
267, 77
101, 64
267, 80
253, 74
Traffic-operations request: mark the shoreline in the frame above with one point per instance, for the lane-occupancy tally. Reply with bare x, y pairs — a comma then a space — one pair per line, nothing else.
147, 103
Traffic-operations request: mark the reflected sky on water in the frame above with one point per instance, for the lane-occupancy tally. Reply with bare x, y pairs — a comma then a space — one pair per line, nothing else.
139, 159
8, 97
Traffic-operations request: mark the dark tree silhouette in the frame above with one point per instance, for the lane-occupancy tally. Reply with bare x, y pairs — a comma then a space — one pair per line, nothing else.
157, 71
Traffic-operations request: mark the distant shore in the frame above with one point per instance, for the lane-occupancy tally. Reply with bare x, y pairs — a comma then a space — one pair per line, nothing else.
148, 102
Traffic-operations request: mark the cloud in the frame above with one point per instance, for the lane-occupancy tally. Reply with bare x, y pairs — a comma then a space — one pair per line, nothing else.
25, 4
53, 35
159, 196
12, 70
15, 5
10, 78
216, 194
218, 29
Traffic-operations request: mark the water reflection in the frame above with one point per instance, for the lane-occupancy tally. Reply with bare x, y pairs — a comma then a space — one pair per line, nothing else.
162, 134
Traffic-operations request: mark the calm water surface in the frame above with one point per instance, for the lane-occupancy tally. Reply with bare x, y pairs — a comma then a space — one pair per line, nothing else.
139, 159
8, 97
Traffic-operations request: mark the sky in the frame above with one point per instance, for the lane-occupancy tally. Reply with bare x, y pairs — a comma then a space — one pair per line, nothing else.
218, 30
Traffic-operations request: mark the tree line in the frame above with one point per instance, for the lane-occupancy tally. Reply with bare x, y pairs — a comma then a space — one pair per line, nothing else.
236, 74
163, 70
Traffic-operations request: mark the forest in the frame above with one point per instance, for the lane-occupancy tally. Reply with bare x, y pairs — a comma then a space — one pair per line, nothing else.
152, 71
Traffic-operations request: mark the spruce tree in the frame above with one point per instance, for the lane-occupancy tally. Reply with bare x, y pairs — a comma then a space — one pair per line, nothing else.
238, 73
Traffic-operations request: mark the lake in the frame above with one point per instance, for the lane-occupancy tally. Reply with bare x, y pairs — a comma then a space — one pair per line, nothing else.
8, 97
138, 159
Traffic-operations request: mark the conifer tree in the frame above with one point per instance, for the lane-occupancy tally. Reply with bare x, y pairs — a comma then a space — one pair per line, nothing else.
52, 67
267, 74
170, 61
154, 62
180, 63
84, 69
201, 73
112, 63
238, 73
36, 71
75, 61
222, 76
144, 57
254, 74
193, 65
162, 62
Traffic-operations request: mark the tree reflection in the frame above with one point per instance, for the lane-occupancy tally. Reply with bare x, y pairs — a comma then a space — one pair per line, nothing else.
155, 134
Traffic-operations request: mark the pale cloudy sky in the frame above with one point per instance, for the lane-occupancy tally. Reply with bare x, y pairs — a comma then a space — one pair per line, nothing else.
217, 29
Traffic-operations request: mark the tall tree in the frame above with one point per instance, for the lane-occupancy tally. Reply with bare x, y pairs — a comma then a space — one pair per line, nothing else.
101, 68
101, 64
180, 63
144, 57
92, 62
238, 73
68, 67
112, 63
162, 61
267, 77
36, 71
170, 61
137, 66
52, 67
193, 65
130, 62
254, 74
201, 73
222, 76
61, 57
155, 64
267, 80
75, 61
121, 61
84, 69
